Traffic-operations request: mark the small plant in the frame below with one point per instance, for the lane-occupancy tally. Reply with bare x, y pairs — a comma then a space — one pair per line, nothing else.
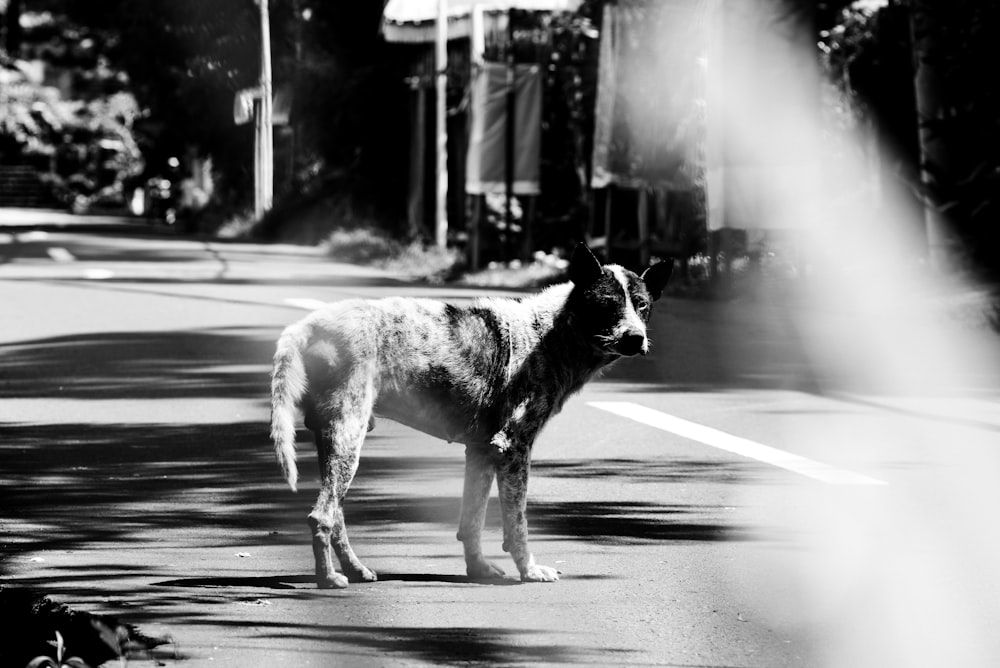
369, 246
239, 225
59, 661
362, 245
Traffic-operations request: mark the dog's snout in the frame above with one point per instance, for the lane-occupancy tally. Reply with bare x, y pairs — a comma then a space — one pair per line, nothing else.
632, 343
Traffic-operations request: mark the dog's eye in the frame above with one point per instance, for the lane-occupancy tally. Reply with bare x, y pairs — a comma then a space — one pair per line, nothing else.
642, 308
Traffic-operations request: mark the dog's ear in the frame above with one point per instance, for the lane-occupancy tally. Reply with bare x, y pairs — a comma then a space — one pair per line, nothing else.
656, 277
584, 267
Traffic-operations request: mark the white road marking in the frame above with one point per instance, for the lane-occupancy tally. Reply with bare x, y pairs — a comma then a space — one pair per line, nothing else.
735, 444
60, 254
306, 303
98, 274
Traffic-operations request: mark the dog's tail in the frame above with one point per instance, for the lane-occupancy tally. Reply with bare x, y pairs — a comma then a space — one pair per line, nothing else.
288, 384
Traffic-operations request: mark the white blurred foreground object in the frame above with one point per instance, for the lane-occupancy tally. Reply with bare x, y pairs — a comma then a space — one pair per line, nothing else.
902, 575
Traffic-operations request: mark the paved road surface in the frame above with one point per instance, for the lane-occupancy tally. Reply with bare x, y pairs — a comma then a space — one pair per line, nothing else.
742, 497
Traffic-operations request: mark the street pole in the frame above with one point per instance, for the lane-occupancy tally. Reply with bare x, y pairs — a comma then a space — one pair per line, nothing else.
264, 178
509, 152
441, 152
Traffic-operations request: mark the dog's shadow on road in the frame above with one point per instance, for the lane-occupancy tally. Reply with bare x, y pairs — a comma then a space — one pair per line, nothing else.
281, 582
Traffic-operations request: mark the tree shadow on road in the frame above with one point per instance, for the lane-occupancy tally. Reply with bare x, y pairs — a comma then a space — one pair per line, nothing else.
283, 582
211, 363
596, 520
87, 484
72, 485
682, 470
454, 645
121, 487
147, 488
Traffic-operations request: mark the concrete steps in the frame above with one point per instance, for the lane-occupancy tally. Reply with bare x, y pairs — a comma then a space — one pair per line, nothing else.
22, 187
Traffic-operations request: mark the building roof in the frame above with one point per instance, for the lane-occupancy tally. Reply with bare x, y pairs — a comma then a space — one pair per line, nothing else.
414, 20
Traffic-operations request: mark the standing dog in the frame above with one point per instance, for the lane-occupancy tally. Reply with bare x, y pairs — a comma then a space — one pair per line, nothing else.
488, 375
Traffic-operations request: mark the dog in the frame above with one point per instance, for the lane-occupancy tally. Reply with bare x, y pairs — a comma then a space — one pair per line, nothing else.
488, 375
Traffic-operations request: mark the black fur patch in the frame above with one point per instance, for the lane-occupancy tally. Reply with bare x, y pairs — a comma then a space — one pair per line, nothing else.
599, 307
452, 314
657, 276
641, 299
476, 334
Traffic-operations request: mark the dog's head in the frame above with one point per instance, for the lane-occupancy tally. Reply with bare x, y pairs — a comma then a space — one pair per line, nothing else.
611, 304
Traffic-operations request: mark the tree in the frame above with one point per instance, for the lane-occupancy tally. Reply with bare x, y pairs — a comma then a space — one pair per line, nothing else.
915, 69
186, 59
959, 115
12, 27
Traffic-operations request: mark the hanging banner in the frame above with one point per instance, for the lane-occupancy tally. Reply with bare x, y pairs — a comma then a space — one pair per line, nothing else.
649, 125
486, 161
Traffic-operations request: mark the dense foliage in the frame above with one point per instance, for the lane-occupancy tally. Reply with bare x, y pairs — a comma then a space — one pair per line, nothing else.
67, 110
185, 60
872, 54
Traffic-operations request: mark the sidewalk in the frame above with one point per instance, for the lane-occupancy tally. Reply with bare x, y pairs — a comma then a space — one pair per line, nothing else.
56, 218
118, 254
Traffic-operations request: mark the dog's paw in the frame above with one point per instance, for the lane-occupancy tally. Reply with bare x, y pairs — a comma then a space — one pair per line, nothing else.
332, 581
363, 574
483, 570
537, 573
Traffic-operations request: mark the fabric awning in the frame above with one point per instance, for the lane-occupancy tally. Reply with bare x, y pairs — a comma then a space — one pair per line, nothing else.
414, 21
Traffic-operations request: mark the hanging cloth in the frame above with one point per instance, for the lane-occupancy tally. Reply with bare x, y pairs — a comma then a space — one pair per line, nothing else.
486, 160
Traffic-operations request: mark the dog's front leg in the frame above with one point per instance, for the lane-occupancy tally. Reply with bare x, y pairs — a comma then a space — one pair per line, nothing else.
479, 475
513, 467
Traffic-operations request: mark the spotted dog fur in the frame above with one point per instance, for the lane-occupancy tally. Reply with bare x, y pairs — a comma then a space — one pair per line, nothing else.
488, 375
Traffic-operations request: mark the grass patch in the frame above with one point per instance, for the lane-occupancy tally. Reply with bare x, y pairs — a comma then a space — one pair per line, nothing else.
546, 269
237, 226
367, 246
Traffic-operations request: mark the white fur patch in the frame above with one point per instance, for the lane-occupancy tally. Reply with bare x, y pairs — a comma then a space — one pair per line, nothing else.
519, 411
619, 273
632, 319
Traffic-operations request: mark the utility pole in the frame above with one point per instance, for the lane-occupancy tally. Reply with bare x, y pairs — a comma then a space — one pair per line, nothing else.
509, 152
441, 152
264, 153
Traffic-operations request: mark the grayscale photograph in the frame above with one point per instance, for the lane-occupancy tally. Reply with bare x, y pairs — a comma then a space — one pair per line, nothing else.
499, 333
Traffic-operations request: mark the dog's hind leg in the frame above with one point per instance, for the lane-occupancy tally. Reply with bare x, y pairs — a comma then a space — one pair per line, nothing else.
479, 474
339, 445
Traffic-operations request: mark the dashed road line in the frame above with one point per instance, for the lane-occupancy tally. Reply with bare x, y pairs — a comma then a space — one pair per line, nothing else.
306, 303
98, 274
60, 254
735, 444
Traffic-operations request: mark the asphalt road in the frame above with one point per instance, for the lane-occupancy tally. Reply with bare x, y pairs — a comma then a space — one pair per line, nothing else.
777, 484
